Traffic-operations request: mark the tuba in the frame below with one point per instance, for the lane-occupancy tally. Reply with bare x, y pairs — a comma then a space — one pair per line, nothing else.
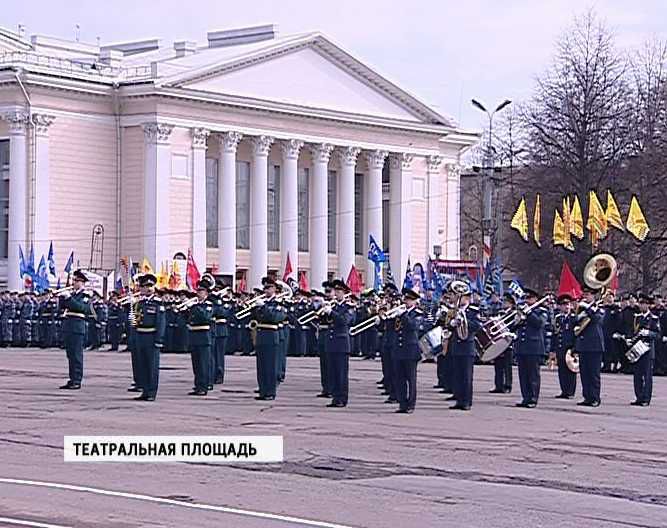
572, 361
598, 274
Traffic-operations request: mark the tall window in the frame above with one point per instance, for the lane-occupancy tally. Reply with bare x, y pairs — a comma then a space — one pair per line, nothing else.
243, 205
359, 242
385, 225
273, 206
211, 202
303, 183
4, 198
331, 205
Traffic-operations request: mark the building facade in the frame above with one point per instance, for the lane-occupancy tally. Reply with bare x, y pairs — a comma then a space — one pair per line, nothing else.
247, 149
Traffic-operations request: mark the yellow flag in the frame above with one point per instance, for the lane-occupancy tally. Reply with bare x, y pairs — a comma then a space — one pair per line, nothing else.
613, 215
560, 235
163, 277
520, 220
576, 219
537, 221
597, 218
637, 224
567, 224
146, 266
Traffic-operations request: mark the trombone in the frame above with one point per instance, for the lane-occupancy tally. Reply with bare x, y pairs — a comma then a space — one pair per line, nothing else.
375, 320
314, 314
285, 293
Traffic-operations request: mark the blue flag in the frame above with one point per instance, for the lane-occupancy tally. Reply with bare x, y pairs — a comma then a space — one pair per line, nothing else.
515, 289
119, 283
30, 268
439, 286
390, 275
22, 265
70, 262
51, 260
375, 252
493, 279
377, 281
407, 282
41, 279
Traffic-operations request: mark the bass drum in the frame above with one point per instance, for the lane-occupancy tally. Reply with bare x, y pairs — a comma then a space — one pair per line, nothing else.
489, 349
430, 344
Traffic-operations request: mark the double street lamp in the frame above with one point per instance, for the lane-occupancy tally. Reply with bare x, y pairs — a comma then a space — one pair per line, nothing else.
487, 173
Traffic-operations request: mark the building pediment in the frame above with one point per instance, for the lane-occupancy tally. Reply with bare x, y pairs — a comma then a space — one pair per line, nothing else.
312, 73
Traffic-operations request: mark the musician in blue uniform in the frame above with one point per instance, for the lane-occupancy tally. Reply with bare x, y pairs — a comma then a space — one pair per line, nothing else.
464, 326
267, 313
77, 307
323, 338
589, 345
341, 316
223, 312
115, 318
409, 327
563, 340
200, 317
529, 348
647, 329
149, 337
502, 365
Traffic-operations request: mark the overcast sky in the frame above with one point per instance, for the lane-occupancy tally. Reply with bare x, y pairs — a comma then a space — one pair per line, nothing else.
444, 51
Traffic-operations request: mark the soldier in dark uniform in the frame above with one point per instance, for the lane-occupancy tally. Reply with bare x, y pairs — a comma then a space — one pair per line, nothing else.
369, 339
410, 326
268, 313
502, 365
25, 321
463, 326
388, 344
181, 326
612, 323
589, 345
627, 329
529, 349
563, 341
341, 316
149, 340
115, 321
660, 368
223, 312
301, 333
200, 317
77, 307
323, 339
647, 329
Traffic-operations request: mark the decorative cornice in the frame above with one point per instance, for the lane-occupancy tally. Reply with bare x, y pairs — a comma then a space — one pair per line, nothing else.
199, 137
157, 132
321, 152
229, 141
401, 161
17, 121
375, 159
42, 122
348, 156
261, 145
433, 163
291, 148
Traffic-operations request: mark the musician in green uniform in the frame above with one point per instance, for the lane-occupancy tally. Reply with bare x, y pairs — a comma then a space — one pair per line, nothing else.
200, 317
77, 307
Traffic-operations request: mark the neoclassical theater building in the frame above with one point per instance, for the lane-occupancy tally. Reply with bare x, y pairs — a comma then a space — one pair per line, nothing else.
248, 148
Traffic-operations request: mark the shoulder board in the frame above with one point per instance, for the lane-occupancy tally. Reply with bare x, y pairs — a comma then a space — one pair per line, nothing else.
473, 307
419, 311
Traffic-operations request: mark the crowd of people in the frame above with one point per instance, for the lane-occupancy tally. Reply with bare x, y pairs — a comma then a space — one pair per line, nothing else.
273, 323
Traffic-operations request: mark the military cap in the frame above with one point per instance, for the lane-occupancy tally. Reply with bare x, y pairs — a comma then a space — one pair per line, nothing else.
78, 275
410, 293
147, 279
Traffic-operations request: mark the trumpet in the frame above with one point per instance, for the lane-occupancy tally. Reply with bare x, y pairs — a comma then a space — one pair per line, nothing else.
314, 314
188, 303
375, 320
130, 299
67, 289
285, 294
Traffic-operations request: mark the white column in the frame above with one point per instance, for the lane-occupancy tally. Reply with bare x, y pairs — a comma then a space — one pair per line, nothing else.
375, 162
319, 218
258, 210
228, 143
199, 137
41, 122
157, 171
400, 221
434, 200
289, 205
453, 220
18, 196
348, 162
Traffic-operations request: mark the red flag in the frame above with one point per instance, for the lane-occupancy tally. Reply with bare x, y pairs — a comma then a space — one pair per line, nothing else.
241, 285
614, 283
192, 274
303, 281
288, 268
354, 281
568, 282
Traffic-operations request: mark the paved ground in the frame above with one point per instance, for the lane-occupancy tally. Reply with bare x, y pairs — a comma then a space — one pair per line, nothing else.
558, 465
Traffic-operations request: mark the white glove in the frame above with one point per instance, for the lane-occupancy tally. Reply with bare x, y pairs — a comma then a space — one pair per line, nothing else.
259, 303
401, 310
617, 335
326, 309
664, 339
644, 332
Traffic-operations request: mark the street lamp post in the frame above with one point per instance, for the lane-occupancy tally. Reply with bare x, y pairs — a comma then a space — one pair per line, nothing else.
487, 184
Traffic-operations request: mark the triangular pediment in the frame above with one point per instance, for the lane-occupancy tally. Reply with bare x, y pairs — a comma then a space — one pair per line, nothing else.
314, 74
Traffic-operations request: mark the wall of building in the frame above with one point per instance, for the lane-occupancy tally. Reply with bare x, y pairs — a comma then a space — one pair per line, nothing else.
180, 192
132, 192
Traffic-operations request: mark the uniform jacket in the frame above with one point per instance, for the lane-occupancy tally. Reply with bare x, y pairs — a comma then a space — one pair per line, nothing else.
410, 326
342, 317
650, 322
151, 320
530, 335
268, 317
592, 338
77, 307
466, 347
564, 337
200, 318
